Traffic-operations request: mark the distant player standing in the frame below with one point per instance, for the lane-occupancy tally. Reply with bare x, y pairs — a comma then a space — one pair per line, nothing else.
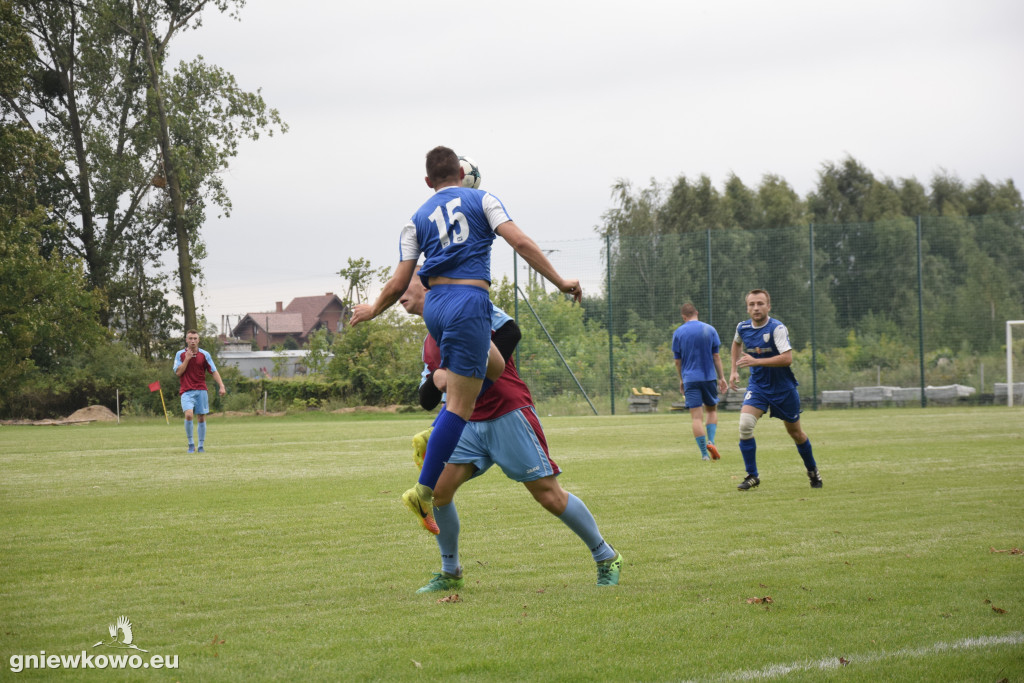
701, 377
455, 229
762, 344
191, 365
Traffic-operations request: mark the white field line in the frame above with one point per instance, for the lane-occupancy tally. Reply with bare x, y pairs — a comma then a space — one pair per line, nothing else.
777, 670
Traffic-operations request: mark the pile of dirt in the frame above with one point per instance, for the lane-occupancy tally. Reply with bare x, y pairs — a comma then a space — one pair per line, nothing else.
93, 414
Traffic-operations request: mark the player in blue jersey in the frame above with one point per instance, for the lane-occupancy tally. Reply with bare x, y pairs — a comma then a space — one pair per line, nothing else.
762, 344
701, 377
454, 230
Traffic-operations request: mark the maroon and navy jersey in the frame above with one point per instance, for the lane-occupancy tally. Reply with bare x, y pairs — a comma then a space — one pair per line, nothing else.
194, 376
507, 394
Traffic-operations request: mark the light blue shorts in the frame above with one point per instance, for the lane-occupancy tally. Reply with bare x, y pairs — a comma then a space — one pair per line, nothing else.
514, 442
785, 406
701, 393
459, 319
197, 400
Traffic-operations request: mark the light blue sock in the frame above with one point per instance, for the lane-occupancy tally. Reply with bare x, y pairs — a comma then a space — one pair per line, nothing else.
702, 444
748, 448
447, 519
711, 428
578, 518
188, 431
202, 433
804, 449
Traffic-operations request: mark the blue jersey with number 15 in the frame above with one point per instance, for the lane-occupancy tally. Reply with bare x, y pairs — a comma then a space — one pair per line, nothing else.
454, 230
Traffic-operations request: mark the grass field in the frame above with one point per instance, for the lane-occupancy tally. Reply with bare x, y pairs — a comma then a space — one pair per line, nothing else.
284, 553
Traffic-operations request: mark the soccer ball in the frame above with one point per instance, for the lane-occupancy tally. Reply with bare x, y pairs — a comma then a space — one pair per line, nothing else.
472, 178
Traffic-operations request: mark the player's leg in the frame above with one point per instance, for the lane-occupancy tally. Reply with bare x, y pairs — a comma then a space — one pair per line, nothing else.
200, 432
699, 435
695, 404
711, 427
447, 518
187, 407
459, 318
749, 415
803, 447
202, 408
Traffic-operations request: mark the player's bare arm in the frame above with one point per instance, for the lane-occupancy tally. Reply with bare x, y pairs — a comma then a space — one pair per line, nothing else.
532, 254
393, 290
734, 374
220, 383
782, 360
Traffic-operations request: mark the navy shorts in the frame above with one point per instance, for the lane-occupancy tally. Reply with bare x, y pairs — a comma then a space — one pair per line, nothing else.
459, 319
784, 406
701, 393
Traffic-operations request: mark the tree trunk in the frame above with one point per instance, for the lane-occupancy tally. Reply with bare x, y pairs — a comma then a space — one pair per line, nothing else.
188, 302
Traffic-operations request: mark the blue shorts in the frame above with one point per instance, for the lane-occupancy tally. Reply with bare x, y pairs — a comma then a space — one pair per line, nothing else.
197, 400
701, 393
784, 406
458, 317
514, 442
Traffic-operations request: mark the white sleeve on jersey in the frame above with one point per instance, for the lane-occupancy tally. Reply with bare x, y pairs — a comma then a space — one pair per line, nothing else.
494, 210
781, 335
409, 244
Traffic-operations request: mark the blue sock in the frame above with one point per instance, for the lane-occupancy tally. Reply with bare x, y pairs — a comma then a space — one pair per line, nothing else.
804, 449
447, 519
702, 444
188, 431
202, 433
748, 448
578, 518
443, 440
712, 428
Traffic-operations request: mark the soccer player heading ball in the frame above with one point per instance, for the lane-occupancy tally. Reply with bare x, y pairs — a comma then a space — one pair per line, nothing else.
454, 230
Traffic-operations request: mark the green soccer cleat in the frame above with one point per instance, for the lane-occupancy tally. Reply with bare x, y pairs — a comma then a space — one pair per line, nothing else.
608, 571
443, 581
419, 499
419, 447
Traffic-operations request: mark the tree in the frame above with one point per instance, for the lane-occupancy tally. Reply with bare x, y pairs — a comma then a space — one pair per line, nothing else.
361, 276
47, 314
123, 125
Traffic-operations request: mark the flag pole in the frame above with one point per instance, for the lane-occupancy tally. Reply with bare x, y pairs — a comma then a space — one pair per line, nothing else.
166, 419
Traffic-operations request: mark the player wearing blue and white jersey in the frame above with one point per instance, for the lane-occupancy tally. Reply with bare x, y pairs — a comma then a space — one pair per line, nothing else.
695, 346
762, 344
454, 229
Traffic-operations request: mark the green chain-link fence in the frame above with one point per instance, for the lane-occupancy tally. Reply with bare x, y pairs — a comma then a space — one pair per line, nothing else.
907, 304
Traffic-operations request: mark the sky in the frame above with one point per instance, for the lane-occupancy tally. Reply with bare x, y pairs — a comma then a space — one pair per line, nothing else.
557, 101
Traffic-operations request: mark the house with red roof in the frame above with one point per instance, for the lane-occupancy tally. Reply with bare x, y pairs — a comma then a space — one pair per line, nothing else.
299, 319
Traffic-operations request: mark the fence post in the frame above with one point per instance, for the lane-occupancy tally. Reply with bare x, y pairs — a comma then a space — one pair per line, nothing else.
707, 250
611, 345
814, 340
920, 312
515, 299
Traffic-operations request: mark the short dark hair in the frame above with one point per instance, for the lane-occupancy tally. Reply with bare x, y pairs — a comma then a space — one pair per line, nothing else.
688, 310
442, 164
192, 332
759, 291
